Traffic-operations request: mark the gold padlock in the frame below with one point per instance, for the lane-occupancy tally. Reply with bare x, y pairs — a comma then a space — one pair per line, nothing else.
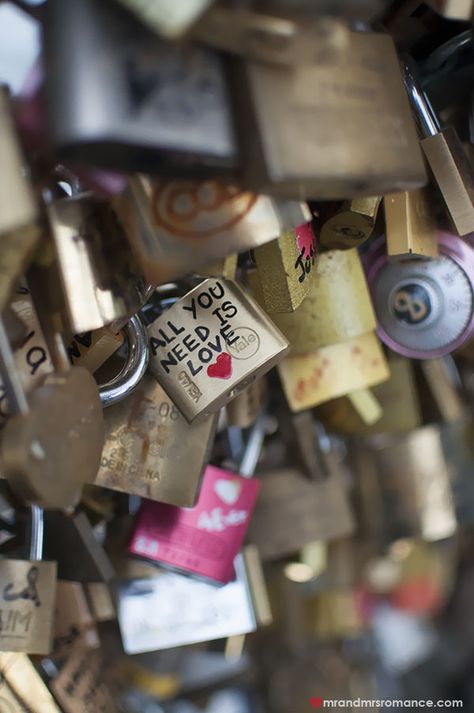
410, 225
176, 227
150, 450
337, 307
244, 409
284, 268
296, 138
352, 224
211, 344
311, 379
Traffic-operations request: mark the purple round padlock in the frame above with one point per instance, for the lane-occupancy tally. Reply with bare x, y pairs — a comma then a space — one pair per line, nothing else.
424, 308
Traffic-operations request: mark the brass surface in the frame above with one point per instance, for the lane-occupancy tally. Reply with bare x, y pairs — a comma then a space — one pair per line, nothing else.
410, 225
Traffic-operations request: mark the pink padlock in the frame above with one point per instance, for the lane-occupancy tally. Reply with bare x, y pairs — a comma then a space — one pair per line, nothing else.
202, 540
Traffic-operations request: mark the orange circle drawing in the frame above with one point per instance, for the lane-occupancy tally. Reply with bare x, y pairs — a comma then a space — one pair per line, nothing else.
188, 209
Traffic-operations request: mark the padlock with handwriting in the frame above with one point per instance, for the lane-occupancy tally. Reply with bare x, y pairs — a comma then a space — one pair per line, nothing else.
285, 268
211, 344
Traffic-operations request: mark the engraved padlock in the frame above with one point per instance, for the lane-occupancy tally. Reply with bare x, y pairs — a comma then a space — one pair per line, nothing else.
285, 268
99, 279
446, 157
324, 155
178, 226
181, 610
148, 105
27, 598
19, 226
424, 308
352, 224
205, 539
211, 344
410, 225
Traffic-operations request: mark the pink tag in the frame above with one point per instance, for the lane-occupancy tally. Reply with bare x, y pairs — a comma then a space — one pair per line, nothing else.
203, 539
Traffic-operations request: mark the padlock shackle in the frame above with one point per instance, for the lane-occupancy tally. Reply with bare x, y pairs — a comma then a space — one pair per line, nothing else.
425, 117
36, 534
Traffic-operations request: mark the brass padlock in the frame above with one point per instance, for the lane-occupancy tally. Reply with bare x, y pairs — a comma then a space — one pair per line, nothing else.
28, 593
178, 226
19, 226
444, 152
397, 396
337, 306
293, 510
324, 155
98, 276
410, 225
313, 378
211, 344
150, 450
284, 268
148, 105
352, 224
21, 687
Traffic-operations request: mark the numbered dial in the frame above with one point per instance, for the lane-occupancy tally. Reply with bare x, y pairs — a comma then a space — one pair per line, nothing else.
425, 308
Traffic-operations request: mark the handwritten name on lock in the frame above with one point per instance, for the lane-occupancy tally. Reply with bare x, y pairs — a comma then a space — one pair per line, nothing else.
198, 340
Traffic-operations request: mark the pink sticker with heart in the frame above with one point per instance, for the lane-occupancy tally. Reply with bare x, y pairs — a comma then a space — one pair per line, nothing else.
203, 539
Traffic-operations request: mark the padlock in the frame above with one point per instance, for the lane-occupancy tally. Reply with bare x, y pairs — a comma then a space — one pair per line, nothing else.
167, 18
242, 411
19, 225
210, 345
405, 479
28, 594
410, 225
73, 620
82, 684
92, 348
351, 225
182, 611
178, 226
150, 450
31, 354
397, 396
49, 449
293, 510
324, 156
424, 308
334, 615
310, 379
100, 282
444, 152
148, 105
205, 539
284, 268
65, 534
337, 307
21, 685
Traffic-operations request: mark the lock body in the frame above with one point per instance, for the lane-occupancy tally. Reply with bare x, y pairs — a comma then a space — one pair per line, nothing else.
410, 225
150, 449
337, 306
313, 378
323, 156
27, 607
211, 344
293, 510
352, 224
424, 308
285, 268
147, 105
178, 226
205, 539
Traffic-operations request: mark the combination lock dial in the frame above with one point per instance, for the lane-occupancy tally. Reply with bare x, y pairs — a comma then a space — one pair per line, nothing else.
424, 308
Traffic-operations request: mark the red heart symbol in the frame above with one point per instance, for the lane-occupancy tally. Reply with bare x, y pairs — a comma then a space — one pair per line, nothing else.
316, 702
222, 367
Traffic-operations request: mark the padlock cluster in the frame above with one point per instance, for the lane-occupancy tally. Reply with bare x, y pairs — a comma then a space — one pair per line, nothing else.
237, 311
